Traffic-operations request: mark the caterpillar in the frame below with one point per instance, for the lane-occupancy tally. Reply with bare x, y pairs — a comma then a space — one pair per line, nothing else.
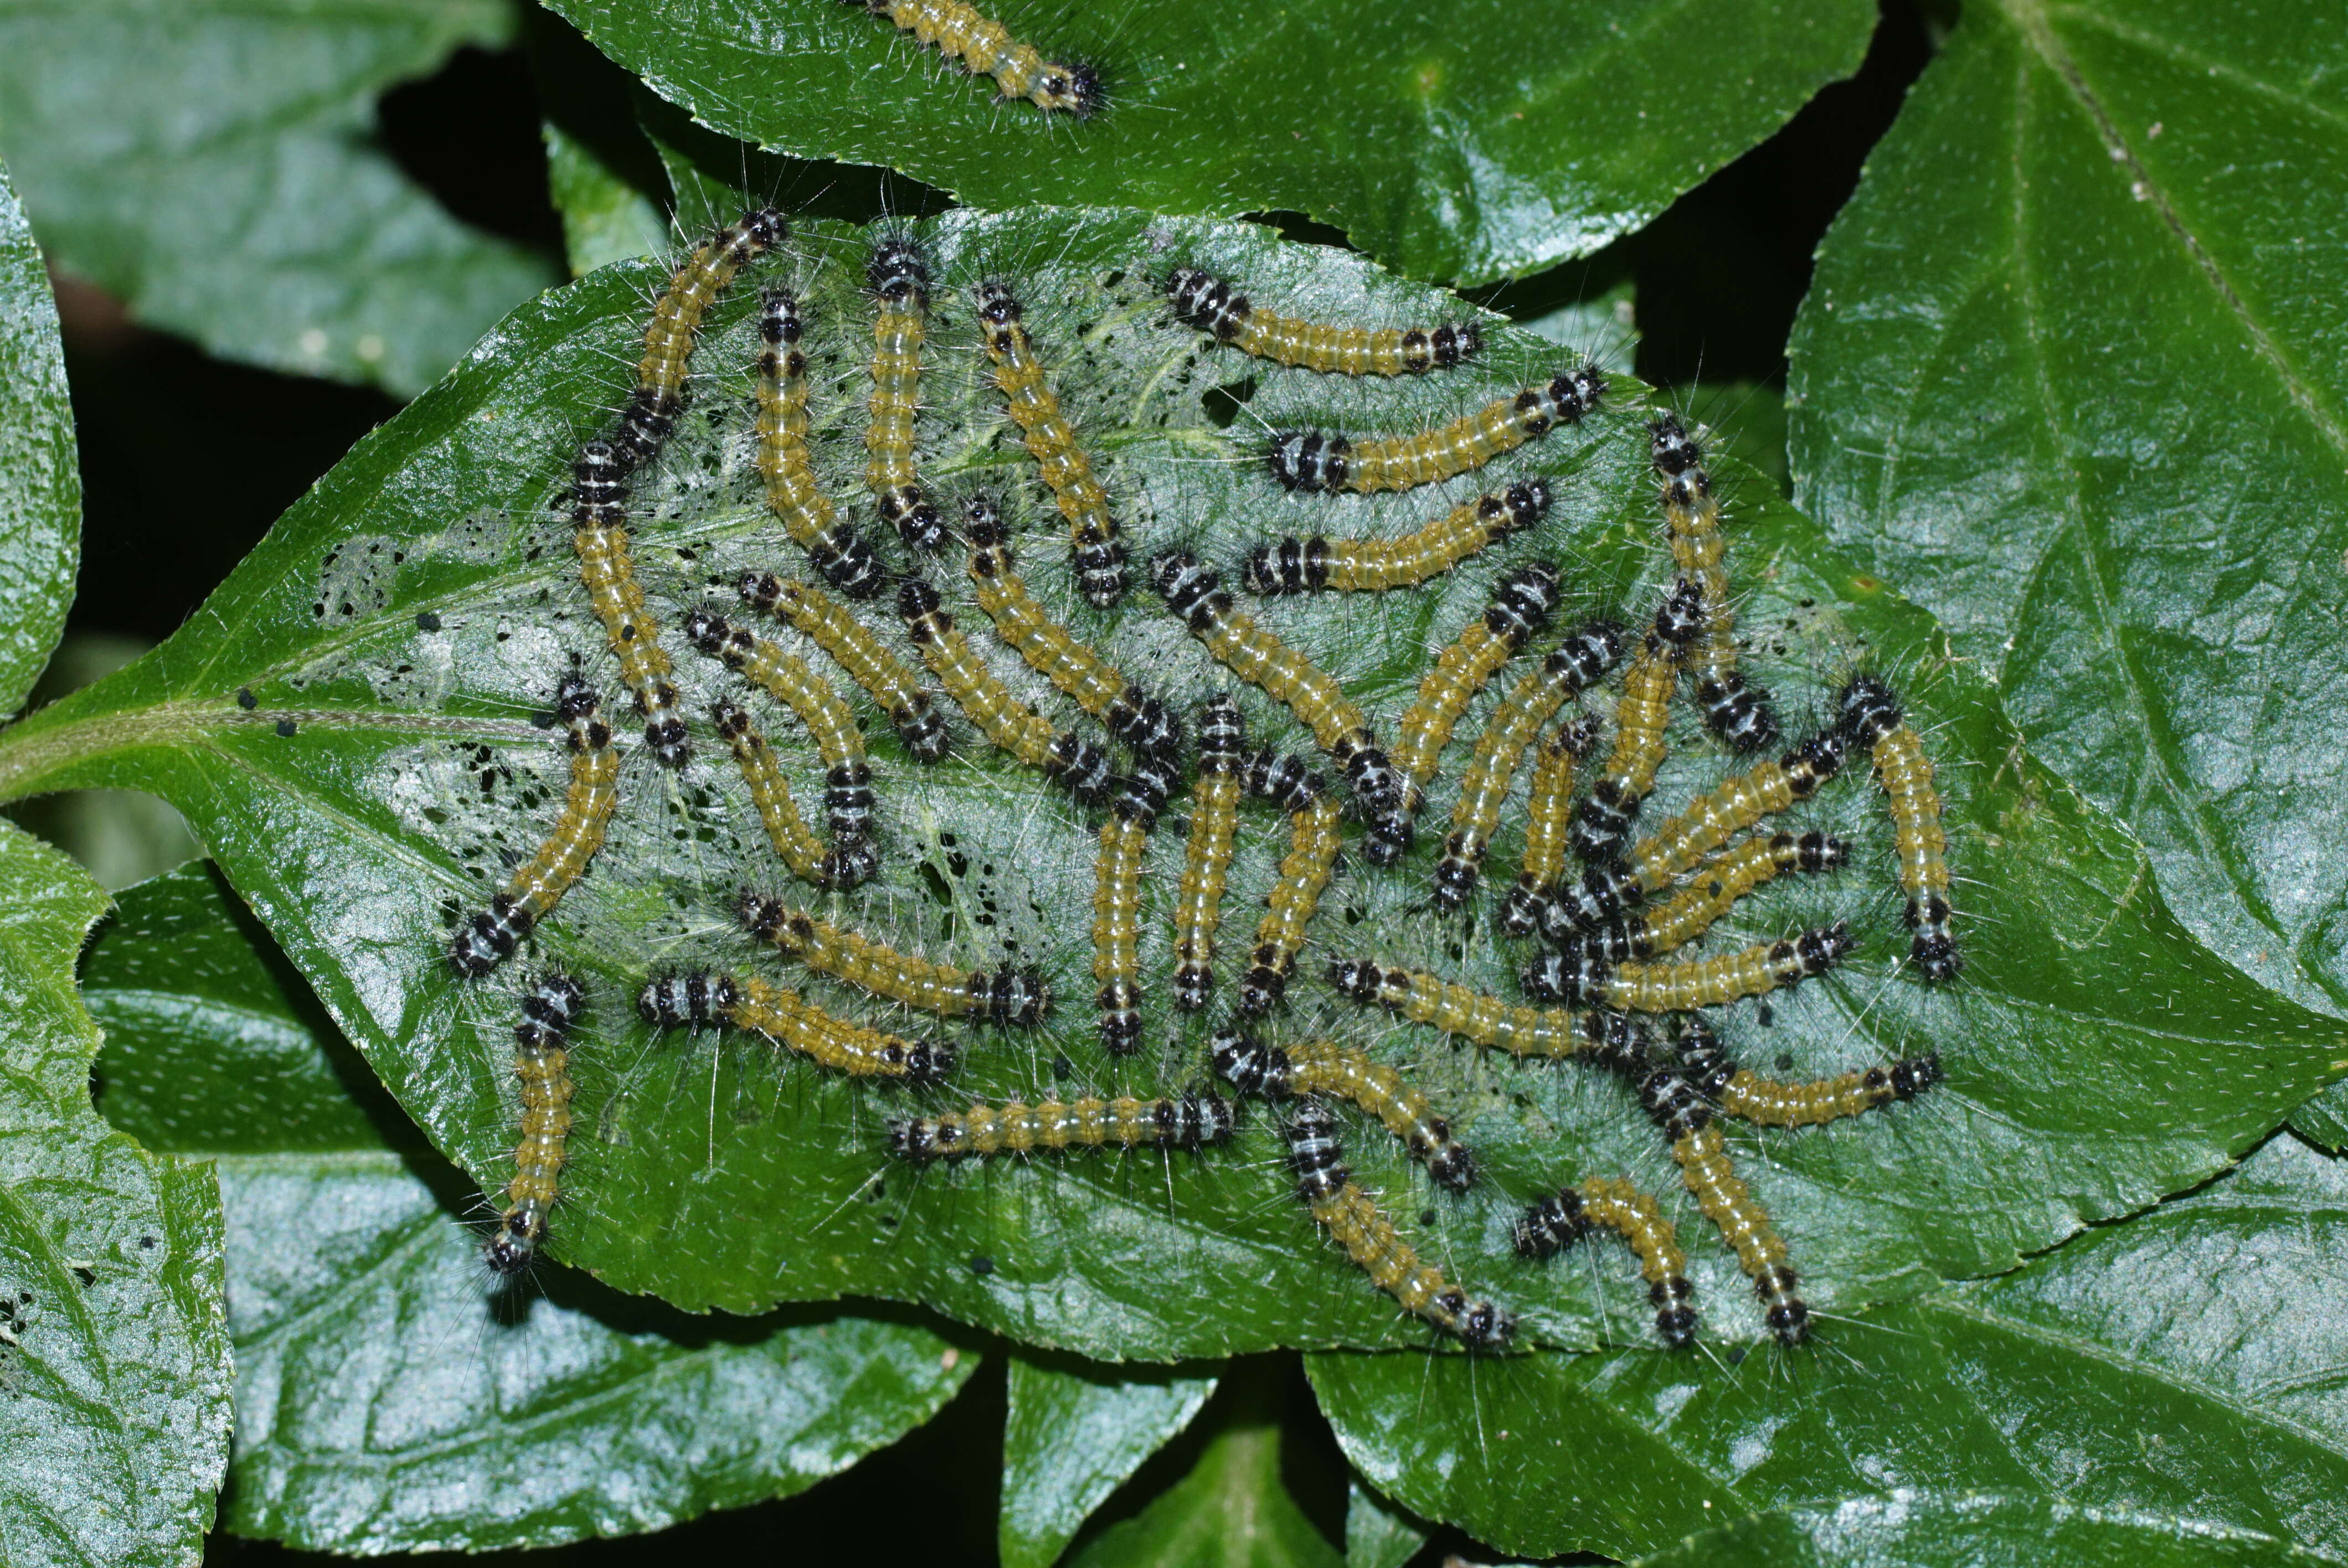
1603, 819
542, 1062
1769, 1102
1100, 558
1738, 713
977, 42
1474, 1017
1518, 612
851, 645
1585, 976
702, 1000
1011, 998
1350, 1215
1710, 821
899, 276
1193, 1122
1207, 858
1066, 757
1288, 781
659, 394
1692, 911
1341, 1073
1116, 901
840, 555
1313, 460
1214, 307
1578, 663
1303, 873
1131, 714
1548, 802
490, 937
1557, 1222
600, 537
809, 858
1293, 565
1744, 1225
848, 777
1872, 717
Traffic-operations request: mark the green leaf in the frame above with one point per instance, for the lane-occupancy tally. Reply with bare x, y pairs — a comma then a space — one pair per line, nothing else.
1449, 142
1377, 1534
1977, 1531
1230, 1511
114, 1345
602, 173
1073, 1433
395, 630
40, 476
212, 164
2184, 1363
2073, 376
387, 1401
604, 218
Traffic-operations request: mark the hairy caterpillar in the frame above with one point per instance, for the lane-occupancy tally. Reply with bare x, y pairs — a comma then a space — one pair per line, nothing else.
542, 1062
1692, 911
1738, 713
1369, 1237
1192, 1121
1100, 558
701, 999
1581, 660
1518, 612
977, 42
1116, 901
1293, 565
847, 777
1341, 1073
1604, 820
659, 394
851, 645
1549, 804
1066, 757
1303, 873
599, 535
1474, 1017
1213, 306
839, 554
1313, 460
1131, 714
899, 277
1585, 976
809, 858
1744, 1225
1872, 716
1013, 997
1207, 858
490, 937
1555, 1223
1769, 1102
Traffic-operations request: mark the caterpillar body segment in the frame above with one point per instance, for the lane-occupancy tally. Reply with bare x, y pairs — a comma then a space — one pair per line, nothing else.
1295, 896
851, 645
1603, 822
1557, 1222
703, 1000
976, 43
1690, 912
1341, 1073
1098, 686
658, 396
599, 538
1740, 1093
1116, 931
1313, 460
1744, 1225
899, 277
542, 1063
488, 937
1067, 472
1066, 757
1549, 805
1206, 858
1872, 716
1580, 661
1518, 612
808, 856
1476, 1017
1736, 712
1213, 306
1351, 1216
848, 777
1193, 1122
840, 555
1584, 976
1009, 996
1293, 565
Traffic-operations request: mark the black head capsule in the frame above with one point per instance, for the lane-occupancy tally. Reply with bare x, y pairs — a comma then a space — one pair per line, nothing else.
1550, 1226
1364, 981
1191, 589
1869, 711
488, 937
1680, 619
899, 273
1143, 723
1674, 1102
1222, 734
1013, 997
1567, 977
1521, 605
1080, 767
1675, 451
1250, 1066
1287, 781
1288, 565
1597, 897
695, 1000
1738, 712
548, 1010
1142, 795
1207, 302
1586, 657
1309, 460
1313, 1154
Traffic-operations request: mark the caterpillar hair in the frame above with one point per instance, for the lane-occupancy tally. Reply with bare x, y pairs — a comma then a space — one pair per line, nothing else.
1604, 820
1117, 903
976, 43
1313, 460
1584, 976
1738, 713
1549, 804
1214, 307
1295, 896
1066, 757
1872, 716
1690, 912
848, 777
702, 1000
1744, 1225
1100, 558
599, 538
1193, 1122
899, 276
839, 554
542, 1062
1013, 997
1518, 612
1769, 1102
1475, 1017
1206, 858
1293, 565
1555, 1223
1341, 1073
851, 645
809, 857
659, 394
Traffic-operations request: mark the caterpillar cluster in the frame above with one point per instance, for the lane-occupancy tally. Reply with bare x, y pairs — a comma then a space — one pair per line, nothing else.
1585, 706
